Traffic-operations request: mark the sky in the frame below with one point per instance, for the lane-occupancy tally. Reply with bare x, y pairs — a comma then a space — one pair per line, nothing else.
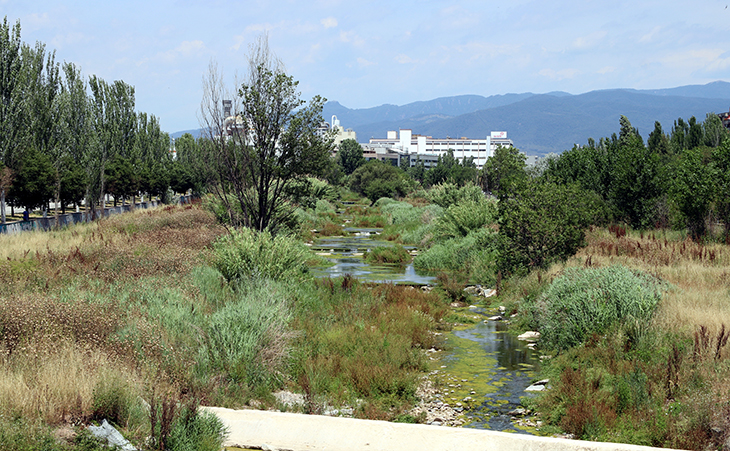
367, 53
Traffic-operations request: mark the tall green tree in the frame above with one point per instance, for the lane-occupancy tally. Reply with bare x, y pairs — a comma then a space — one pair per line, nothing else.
504, 172
273, 141
34, 180
658, 142
350, 156
634, 186
714, 133
113, 126
543, 222
11, 127
693, 188
78, 140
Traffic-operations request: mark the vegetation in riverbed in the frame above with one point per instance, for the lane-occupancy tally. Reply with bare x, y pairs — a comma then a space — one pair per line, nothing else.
659, 381
395, 254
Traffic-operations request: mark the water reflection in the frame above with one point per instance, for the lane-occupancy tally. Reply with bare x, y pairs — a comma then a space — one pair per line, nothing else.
508, 366
346, 255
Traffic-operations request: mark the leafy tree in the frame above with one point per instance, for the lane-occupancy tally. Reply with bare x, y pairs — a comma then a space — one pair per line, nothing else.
377, 179
678, 139
74, 181
504, 172
417, 171
633, 186
693, 188
77, 137
11, 126
349, 156
694, 138
713, 131
6, 181
658, 142
113, 125
121, 179
273, 141
545, 222
586, 166
34, 180
721, 161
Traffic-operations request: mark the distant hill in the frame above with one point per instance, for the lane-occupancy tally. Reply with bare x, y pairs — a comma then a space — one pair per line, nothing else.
196, 132
538, 123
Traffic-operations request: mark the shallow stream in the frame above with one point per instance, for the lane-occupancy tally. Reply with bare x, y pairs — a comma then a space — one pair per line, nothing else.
346, 255
491, 368
484, 363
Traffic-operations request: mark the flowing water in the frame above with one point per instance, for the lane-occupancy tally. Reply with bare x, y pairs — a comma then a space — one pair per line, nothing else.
484, 364
346, 257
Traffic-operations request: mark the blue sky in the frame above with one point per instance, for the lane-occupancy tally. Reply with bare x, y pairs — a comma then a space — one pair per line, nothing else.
364, 54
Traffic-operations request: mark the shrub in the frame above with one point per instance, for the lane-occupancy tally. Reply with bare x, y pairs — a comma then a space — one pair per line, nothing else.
388, 254
246, 340
447, 194
246, 253
196, 431
460, 219
587, 301
474, 255
545, 222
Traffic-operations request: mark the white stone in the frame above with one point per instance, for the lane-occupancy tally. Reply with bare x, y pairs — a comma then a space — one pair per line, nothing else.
529, 335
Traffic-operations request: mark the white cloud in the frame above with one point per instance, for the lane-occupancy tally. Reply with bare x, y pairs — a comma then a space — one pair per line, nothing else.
650, 35
362, 62
402, 58
606, 70
590, 40
692, 60
329, 22
351, 37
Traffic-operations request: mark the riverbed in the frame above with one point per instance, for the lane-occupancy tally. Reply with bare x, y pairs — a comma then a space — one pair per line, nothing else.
485, 369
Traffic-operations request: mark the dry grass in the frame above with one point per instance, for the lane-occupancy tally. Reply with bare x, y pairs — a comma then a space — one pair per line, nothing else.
62, 357
57, 386
699, 273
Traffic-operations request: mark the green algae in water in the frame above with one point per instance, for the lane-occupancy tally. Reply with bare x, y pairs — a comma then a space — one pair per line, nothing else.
491, 367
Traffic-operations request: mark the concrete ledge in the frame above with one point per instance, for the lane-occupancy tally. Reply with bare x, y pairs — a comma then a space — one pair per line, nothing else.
296, 432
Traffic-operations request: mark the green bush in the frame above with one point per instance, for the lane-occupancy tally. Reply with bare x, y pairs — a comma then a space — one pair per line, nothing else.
460, 219
249, 254
196, 431
543, 223
388, 254
113, 400
587, 301
474, 255
246, 340
448, 194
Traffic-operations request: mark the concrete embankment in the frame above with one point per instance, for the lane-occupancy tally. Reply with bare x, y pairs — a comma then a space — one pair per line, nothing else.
296, 432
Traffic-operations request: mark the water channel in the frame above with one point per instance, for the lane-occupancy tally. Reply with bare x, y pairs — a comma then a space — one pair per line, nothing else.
483, 362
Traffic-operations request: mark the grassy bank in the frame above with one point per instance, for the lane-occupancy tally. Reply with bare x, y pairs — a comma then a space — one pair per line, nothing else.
136, 316
657, 377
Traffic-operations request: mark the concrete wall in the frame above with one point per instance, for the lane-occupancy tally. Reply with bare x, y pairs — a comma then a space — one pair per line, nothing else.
68, 219
296, 432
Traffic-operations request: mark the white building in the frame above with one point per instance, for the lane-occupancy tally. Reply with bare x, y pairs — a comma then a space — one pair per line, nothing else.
429, 148
340, 133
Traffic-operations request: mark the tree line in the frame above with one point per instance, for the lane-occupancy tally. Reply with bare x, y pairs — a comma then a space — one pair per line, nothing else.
72, 140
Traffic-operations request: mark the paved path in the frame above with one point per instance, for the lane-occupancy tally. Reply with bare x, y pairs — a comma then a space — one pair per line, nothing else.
296, 432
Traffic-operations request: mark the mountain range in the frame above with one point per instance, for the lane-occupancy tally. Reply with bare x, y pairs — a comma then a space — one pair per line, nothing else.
538, 124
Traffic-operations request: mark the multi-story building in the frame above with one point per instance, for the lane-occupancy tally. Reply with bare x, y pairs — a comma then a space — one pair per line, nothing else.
428, 149
340, 133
